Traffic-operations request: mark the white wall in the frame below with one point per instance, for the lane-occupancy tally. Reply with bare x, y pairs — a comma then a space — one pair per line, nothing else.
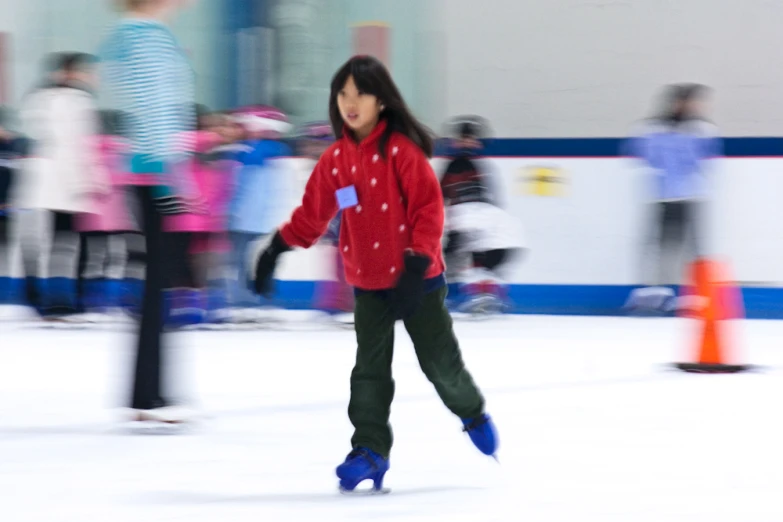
40, 27
541, 68
595, 232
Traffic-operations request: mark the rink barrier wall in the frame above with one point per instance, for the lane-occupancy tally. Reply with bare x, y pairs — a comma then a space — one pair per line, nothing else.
588, 300
585, 237
739, 147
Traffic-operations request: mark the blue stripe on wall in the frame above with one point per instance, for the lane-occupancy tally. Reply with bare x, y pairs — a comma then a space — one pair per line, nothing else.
760, 303
607, 147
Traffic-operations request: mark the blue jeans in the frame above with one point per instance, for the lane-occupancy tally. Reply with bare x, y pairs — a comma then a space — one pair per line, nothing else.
239, 294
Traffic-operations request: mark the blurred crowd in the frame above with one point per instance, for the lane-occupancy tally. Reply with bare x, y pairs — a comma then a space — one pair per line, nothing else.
63, 204
63, 201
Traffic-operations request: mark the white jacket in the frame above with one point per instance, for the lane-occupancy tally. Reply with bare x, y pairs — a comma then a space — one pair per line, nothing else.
62, 171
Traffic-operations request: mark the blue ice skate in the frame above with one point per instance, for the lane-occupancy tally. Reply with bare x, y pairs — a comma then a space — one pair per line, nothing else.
482, 433
362, 464
184, 307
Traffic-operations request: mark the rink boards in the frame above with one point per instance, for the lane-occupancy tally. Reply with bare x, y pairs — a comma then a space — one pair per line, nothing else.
585, 219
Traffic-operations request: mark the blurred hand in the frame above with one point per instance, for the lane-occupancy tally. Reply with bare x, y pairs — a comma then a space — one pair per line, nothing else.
266, 263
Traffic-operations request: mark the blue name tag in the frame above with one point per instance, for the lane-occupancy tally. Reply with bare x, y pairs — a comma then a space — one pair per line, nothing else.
346, 197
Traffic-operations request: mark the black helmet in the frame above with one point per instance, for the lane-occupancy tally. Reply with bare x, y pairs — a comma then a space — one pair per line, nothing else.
468, 126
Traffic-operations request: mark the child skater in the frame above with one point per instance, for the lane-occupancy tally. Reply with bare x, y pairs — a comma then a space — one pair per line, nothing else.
107, 225
186, 300
378, 174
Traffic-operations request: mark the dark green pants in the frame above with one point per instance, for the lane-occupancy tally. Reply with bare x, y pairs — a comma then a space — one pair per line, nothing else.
372, 386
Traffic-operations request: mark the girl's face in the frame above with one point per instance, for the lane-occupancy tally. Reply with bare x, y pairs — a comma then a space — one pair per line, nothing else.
360, 111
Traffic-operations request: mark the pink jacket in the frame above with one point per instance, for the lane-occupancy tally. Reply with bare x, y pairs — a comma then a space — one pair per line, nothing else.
212, 182
109, 212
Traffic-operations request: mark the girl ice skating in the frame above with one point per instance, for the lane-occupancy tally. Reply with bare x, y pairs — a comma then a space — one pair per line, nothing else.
378, 174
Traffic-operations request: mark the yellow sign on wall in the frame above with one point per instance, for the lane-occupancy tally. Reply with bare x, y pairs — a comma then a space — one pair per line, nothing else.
542, 181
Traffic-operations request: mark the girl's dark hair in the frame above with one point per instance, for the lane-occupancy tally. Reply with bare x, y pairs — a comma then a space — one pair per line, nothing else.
372, 77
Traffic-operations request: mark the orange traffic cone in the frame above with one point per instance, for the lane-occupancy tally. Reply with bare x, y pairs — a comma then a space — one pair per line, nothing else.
712, 300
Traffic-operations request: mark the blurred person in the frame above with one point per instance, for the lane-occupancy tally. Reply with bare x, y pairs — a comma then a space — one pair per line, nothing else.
106, 226
62, 176
334, 297
215, 248
12, 150
193, 236
677, 146
378, 174
478, 227
259, 199
153, 83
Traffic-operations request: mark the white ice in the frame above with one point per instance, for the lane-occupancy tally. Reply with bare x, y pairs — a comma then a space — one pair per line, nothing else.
592, 426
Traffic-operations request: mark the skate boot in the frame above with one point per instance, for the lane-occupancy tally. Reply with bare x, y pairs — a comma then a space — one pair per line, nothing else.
184, 307
482, 433
362, 464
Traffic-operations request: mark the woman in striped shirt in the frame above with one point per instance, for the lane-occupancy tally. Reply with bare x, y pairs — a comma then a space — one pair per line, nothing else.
152, 84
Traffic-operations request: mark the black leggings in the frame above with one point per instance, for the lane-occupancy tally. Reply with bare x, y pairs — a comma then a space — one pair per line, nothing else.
147, 390
5, 242
181, 273
676, 226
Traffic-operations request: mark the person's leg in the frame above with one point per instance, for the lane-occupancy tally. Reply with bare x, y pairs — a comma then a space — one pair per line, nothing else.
654, 296
93, 273
63, 267
115, 267
5, 258
183, 300
431, 330
133, 277
372, 386
372, 391
673, 226
440, 358
147, 386
34, 230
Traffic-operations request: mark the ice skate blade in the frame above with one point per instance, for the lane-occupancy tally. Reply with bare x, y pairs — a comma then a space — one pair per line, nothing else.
157, 428
372, 492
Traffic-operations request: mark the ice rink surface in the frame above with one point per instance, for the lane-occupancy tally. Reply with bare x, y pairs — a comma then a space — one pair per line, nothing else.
592, 428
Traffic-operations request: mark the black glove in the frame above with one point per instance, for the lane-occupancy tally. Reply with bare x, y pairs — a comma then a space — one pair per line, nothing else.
409, 292
266, 263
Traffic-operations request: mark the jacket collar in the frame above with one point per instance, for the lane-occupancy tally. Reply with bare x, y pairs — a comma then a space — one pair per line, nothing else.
368, 142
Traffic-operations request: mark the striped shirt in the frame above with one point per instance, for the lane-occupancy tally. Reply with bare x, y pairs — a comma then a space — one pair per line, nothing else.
152, 83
